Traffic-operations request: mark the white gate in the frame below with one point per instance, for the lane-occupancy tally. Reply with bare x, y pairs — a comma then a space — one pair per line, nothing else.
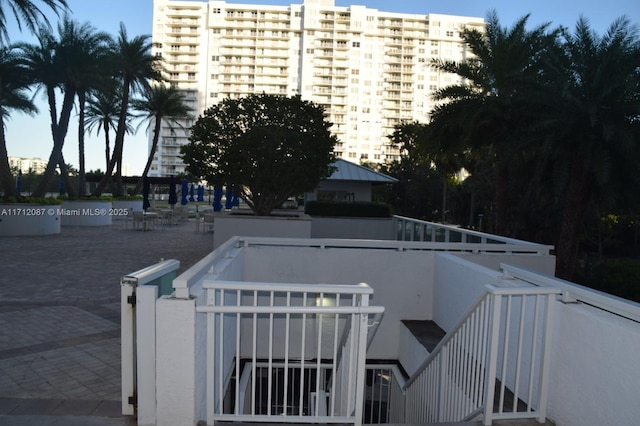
138, 293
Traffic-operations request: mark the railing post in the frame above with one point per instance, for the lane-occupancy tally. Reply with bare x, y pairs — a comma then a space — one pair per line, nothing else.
444, 367
362, 359
546, 360
492, 358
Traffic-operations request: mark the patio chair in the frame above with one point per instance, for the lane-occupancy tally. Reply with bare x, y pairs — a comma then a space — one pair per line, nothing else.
207, 222
139, 224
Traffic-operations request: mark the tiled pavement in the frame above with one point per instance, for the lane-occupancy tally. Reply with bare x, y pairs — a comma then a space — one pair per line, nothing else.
60, 318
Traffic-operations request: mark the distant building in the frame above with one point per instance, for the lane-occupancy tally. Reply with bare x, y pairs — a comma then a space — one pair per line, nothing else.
27, 164
369, 69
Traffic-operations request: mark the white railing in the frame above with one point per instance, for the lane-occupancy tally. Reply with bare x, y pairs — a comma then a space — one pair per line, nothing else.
383, 396
572, 292
323, 243
303, 333
408, 229
494, 363
138, 293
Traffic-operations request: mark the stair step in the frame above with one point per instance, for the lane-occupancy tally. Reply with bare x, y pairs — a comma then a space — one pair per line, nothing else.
428, 333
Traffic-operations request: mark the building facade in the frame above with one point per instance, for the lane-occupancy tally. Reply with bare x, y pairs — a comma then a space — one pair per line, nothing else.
369, 69
27, 164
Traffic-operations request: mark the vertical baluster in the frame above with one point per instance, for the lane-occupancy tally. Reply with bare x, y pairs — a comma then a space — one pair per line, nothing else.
505, 356
334, 368
221, 358
211, 345
319, 356
516, 387
285, 397
238, 372
302, 353
534, 350
492, 358
270, 363
254, 354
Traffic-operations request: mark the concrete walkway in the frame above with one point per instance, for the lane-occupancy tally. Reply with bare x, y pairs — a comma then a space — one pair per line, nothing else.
60, 318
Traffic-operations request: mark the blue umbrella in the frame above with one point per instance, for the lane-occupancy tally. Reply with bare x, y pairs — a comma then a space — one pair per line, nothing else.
19, 182
173, 197
217, 198
232, 198
145, 193
200, 193
185, 189
229, 200
192, 192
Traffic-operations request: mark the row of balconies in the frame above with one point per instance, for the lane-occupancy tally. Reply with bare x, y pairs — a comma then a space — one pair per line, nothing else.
191, 39
231, 25
178, 12
182, 21
270, 16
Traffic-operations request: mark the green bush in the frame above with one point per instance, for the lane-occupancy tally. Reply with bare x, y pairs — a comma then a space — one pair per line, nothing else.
87, 198
615, 276
30, 200
347, 209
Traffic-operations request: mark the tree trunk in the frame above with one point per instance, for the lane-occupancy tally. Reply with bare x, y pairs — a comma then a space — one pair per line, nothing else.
576, 203
59, 132
107, 148
82, 178
8, 183
154, 146
118, 145
502, 190
444, 199
64, 175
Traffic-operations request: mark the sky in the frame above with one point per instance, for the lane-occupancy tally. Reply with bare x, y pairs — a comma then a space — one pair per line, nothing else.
29, 136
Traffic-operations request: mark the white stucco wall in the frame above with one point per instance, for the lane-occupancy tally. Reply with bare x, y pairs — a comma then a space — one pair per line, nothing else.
356, 228
412, 353
458, 284
544, 264
595, 368
402, 281
20, 219
228, 225
176, 378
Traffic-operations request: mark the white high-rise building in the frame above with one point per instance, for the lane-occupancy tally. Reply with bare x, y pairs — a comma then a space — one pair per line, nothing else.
368, 68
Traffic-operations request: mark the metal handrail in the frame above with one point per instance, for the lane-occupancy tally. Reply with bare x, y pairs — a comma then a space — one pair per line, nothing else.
572, 292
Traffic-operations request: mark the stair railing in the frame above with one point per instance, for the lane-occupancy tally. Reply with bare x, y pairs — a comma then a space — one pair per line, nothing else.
494, 363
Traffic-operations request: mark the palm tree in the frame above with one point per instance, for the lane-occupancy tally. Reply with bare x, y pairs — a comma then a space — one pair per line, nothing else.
134, 65
14, 84
102, 112
160, 102
489, 108
85, 52
47, 69
25, 11
595, 139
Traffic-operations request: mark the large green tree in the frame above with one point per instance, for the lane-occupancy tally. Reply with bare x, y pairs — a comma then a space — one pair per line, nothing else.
135, 66
102, 112
52, 67
490, 109
92, 74
14, 86
270, 147
160, 103
593, 136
